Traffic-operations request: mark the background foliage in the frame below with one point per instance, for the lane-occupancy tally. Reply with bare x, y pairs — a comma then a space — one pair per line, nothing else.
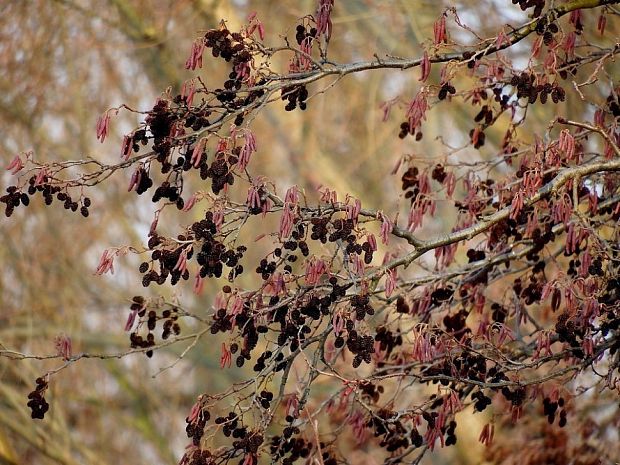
64, 62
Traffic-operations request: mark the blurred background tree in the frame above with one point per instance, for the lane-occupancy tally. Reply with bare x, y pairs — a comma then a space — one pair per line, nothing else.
63, 63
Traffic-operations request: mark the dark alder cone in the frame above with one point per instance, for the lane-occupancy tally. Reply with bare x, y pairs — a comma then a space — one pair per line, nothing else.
37, 402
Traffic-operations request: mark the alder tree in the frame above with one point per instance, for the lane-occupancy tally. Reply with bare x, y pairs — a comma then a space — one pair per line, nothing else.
508, 311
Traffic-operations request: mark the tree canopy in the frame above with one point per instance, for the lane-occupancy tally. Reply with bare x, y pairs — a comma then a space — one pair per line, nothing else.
339, 232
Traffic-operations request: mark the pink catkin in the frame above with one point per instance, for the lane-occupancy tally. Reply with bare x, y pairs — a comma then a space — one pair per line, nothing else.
106, 263
198, 284
16, 165
253, 198
386, 229
126, 146
198, 152
225, 357
195, 58
425, 67
440, 34
601, 23
323, 18
63, 346
103, 126
188, 90
249, 147
416, 112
